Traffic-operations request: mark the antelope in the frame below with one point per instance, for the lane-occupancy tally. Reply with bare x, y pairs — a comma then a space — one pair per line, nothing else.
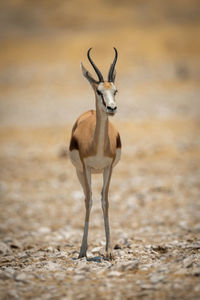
95, 146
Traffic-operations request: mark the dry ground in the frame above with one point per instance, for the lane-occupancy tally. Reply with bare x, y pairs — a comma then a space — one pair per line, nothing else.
154, 208
155, 189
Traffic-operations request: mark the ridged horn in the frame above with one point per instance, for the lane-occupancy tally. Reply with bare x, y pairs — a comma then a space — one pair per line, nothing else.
95, 67
112, 67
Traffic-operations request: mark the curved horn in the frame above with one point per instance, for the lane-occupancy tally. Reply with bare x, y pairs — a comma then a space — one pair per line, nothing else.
112, 67
95, 67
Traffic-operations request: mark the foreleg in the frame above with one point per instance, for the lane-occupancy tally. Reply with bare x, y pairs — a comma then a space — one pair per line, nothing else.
85, 180
105, 206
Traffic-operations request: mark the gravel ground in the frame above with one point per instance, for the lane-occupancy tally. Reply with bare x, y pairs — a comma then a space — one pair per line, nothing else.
155, 189
154, 212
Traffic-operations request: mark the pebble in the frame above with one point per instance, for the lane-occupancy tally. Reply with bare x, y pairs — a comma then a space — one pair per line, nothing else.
181, 271
197, 227
60, 276
124, 241
52, 266
82, 269
159, 248
79, 277
194, 246
121, 253
147, 287
195, 271
114, 274
98, 259
129, 266
23, 277
7, 258
188, 261
197, 288
23, 255
44, 230
156, 278
4, 249
146, 267
13, 294
97, 250
117, 247
49, 249
5, 275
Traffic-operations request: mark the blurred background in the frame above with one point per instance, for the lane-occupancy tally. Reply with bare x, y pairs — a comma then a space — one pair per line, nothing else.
43, 43
155, 190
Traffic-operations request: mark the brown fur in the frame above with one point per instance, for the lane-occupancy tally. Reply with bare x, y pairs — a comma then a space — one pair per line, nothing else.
84, 131
94, 148
107, 85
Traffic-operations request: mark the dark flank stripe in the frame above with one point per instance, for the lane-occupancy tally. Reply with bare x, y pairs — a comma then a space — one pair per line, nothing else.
118, 141
74, 127
73, 144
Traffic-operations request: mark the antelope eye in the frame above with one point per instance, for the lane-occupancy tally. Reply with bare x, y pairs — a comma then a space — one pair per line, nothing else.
115, 92
98, 92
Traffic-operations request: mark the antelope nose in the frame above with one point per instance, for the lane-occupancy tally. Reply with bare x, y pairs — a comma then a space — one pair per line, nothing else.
111, 108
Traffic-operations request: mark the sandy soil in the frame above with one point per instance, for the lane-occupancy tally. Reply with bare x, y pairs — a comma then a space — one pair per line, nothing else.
155, 189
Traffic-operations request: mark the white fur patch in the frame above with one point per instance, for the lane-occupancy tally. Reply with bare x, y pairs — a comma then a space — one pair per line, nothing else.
117, 158
75, 159
97, 163
108, 95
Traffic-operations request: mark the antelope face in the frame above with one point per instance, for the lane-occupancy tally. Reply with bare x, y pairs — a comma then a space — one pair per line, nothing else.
106, 92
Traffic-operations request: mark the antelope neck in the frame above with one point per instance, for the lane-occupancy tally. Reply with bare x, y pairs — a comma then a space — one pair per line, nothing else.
101, 130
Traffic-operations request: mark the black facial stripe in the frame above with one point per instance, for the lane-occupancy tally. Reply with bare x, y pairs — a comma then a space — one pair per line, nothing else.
104, 103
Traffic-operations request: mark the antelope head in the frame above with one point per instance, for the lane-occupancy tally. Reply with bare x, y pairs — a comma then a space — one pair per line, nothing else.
105, 91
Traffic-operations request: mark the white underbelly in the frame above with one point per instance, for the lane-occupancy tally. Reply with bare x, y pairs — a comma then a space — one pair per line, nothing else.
97, 163
75, 159
118, 156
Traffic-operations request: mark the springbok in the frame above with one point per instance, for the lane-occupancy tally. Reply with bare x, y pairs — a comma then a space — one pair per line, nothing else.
95, 146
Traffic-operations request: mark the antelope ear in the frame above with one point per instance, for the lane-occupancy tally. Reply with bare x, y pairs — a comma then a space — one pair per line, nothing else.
87, 75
